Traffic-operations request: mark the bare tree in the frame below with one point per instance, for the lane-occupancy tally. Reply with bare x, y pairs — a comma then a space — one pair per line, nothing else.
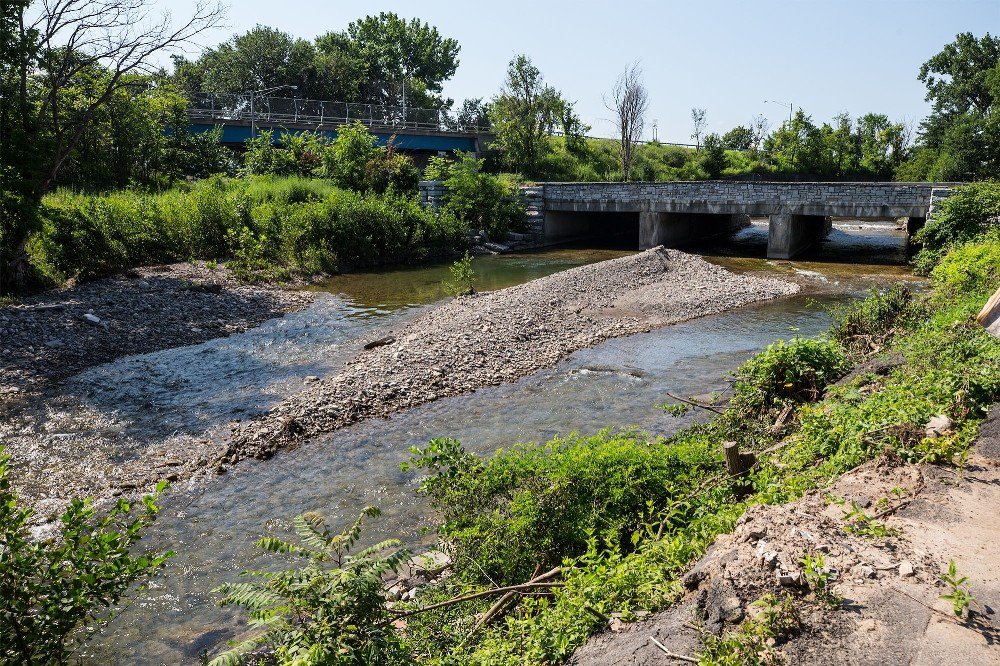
698, 118
630, 102
73, 57
760, 127
74, 36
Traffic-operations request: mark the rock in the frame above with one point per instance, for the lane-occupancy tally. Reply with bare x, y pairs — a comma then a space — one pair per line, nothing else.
905, 569
91, 318
790, 579
310, 379
938, 425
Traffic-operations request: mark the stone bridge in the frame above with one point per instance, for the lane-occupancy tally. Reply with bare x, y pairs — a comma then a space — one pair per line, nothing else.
676, 213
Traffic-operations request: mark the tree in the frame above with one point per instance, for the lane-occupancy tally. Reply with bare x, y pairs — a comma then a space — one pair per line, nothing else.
714, 158
629, 102
265, 57
472, 116
108, 43
738, 138
960, 139
698, 119
405, 63
760, 127
526, 111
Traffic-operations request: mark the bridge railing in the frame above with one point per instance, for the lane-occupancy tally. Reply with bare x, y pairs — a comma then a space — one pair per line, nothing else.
279, 110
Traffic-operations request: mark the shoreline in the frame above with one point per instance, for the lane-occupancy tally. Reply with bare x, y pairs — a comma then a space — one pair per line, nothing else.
455, 348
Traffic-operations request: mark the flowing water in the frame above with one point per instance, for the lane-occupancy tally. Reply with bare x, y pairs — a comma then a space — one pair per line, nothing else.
619, 383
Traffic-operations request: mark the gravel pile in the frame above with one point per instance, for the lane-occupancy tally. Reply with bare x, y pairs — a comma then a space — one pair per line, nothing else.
59, 333
492, 338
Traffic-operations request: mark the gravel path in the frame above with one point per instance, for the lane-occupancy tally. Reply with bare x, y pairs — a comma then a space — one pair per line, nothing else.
59, 333
497, 337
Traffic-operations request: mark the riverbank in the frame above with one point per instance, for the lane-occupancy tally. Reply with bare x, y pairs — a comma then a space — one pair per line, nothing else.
494, 338
58, 333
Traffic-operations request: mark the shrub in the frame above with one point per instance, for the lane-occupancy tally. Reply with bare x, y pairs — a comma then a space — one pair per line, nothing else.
863, 326
55, 592
481, 200
971, 210
535, 504
794, 371
972, 270
330, 612
463, 277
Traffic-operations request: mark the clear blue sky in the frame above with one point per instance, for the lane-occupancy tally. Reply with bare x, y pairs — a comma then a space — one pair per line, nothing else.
727, 56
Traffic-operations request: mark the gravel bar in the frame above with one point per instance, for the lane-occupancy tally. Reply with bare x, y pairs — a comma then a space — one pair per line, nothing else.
497, 337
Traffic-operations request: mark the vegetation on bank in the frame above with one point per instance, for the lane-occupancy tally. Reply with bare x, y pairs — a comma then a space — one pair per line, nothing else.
614, 519
268, 227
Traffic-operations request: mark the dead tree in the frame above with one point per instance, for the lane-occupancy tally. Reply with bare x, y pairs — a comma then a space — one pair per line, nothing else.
698, 118
629, 101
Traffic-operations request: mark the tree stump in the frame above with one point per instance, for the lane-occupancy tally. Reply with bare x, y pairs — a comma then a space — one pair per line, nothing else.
737, 464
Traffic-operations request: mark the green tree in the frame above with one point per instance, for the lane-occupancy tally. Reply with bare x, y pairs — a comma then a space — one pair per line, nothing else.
525, 113
713, 159
52, 588
738, 138
404, 62
963, 128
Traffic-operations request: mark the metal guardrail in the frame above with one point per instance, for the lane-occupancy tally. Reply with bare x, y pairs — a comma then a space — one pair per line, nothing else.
278, 110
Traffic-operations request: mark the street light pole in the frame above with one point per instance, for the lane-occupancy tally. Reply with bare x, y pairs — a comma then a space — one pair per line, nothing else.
789, 104
253, 117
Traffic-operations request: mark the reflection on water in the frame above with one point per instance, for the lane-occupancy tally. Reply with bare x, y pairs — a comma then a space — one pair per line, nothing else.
213, 526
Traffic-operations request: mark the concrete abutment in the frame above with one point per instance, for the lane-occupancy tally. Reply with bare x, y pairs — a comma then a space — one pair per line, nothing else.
789, 235
678, 229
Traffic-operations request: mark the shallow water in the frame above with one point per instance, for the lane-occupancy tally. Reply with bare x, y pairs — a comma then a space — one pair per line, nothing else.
213, 526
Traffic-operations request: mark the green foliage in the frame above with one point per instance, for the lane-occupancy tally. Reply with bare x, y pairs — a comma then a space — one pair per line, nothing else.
331, 611
463, 277
819, 578
971, 210
481, 200
353, 160
525, 113
794, 371
713, 156
860, 523
269, 226
753, 644
959, 590
56, 592
862, 327
971, 270
536, 504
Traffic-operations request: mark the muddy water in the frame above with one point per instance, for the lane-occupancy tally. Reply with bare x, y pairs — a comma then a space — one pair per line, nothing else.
213, 526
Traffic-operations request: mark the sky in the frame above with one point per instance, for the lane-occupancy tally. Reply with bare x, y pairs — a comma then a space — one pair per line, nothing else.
726, 56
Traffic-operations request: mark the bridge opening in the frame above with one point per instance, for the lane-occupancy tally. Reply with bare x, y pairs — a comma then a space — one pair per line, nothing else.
618, 230
879, 240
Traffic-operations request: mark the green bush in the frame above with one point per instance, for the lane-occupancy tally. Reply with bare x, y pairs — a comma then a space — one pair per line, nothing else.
481, 200
863, 326
794, 371
535, 504
971, 210
971, 270
55, 592
269, 226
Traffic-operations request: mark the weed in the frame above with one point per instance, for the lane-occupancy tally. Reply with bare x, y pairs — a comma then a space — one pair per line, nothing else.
819, 577
463, 277
753, 644
862, 524
960, 592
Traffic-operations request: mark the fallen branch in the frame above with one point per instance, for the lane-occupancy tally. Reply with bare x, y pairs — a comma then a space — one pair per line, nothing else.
596, 613
483, 593
673, 655
694, 403
495, 609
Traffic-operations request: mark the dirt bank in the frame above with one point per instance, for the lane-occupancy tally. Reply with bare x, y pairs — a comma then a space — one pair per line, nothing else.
61, 332
497, 337
891, 611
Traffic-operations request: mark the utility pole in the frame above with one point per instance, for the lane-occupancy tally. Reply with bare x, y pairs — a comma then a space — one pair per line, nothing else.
788, 104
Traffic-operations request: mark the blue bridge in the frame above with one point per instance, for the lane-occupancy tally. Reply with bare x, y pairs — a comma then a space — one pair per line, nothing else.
410, 129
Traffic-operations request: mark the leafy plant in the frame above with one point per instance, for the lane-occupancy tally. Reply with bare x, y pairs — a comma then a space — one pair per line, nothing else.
960, 592
819, 578
862, 524
753, 644
331, 612
463, 277
56, 592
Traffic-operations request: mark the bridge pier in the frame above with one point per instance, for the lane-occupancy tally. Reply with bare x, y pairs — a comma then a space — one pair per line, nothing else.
676, 229
789, 235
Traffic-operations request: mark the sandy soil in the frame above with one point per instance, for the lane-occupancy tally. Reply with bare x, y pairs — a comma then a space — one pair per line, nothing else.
892, 612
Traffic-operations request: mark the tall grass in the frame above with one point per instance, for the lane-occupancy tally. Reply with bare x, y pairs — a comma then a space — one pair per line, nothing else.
265, 226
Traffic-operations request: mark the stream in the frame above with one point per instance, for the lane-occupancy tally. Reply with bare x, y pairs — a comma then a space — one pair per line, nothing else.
212, 525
